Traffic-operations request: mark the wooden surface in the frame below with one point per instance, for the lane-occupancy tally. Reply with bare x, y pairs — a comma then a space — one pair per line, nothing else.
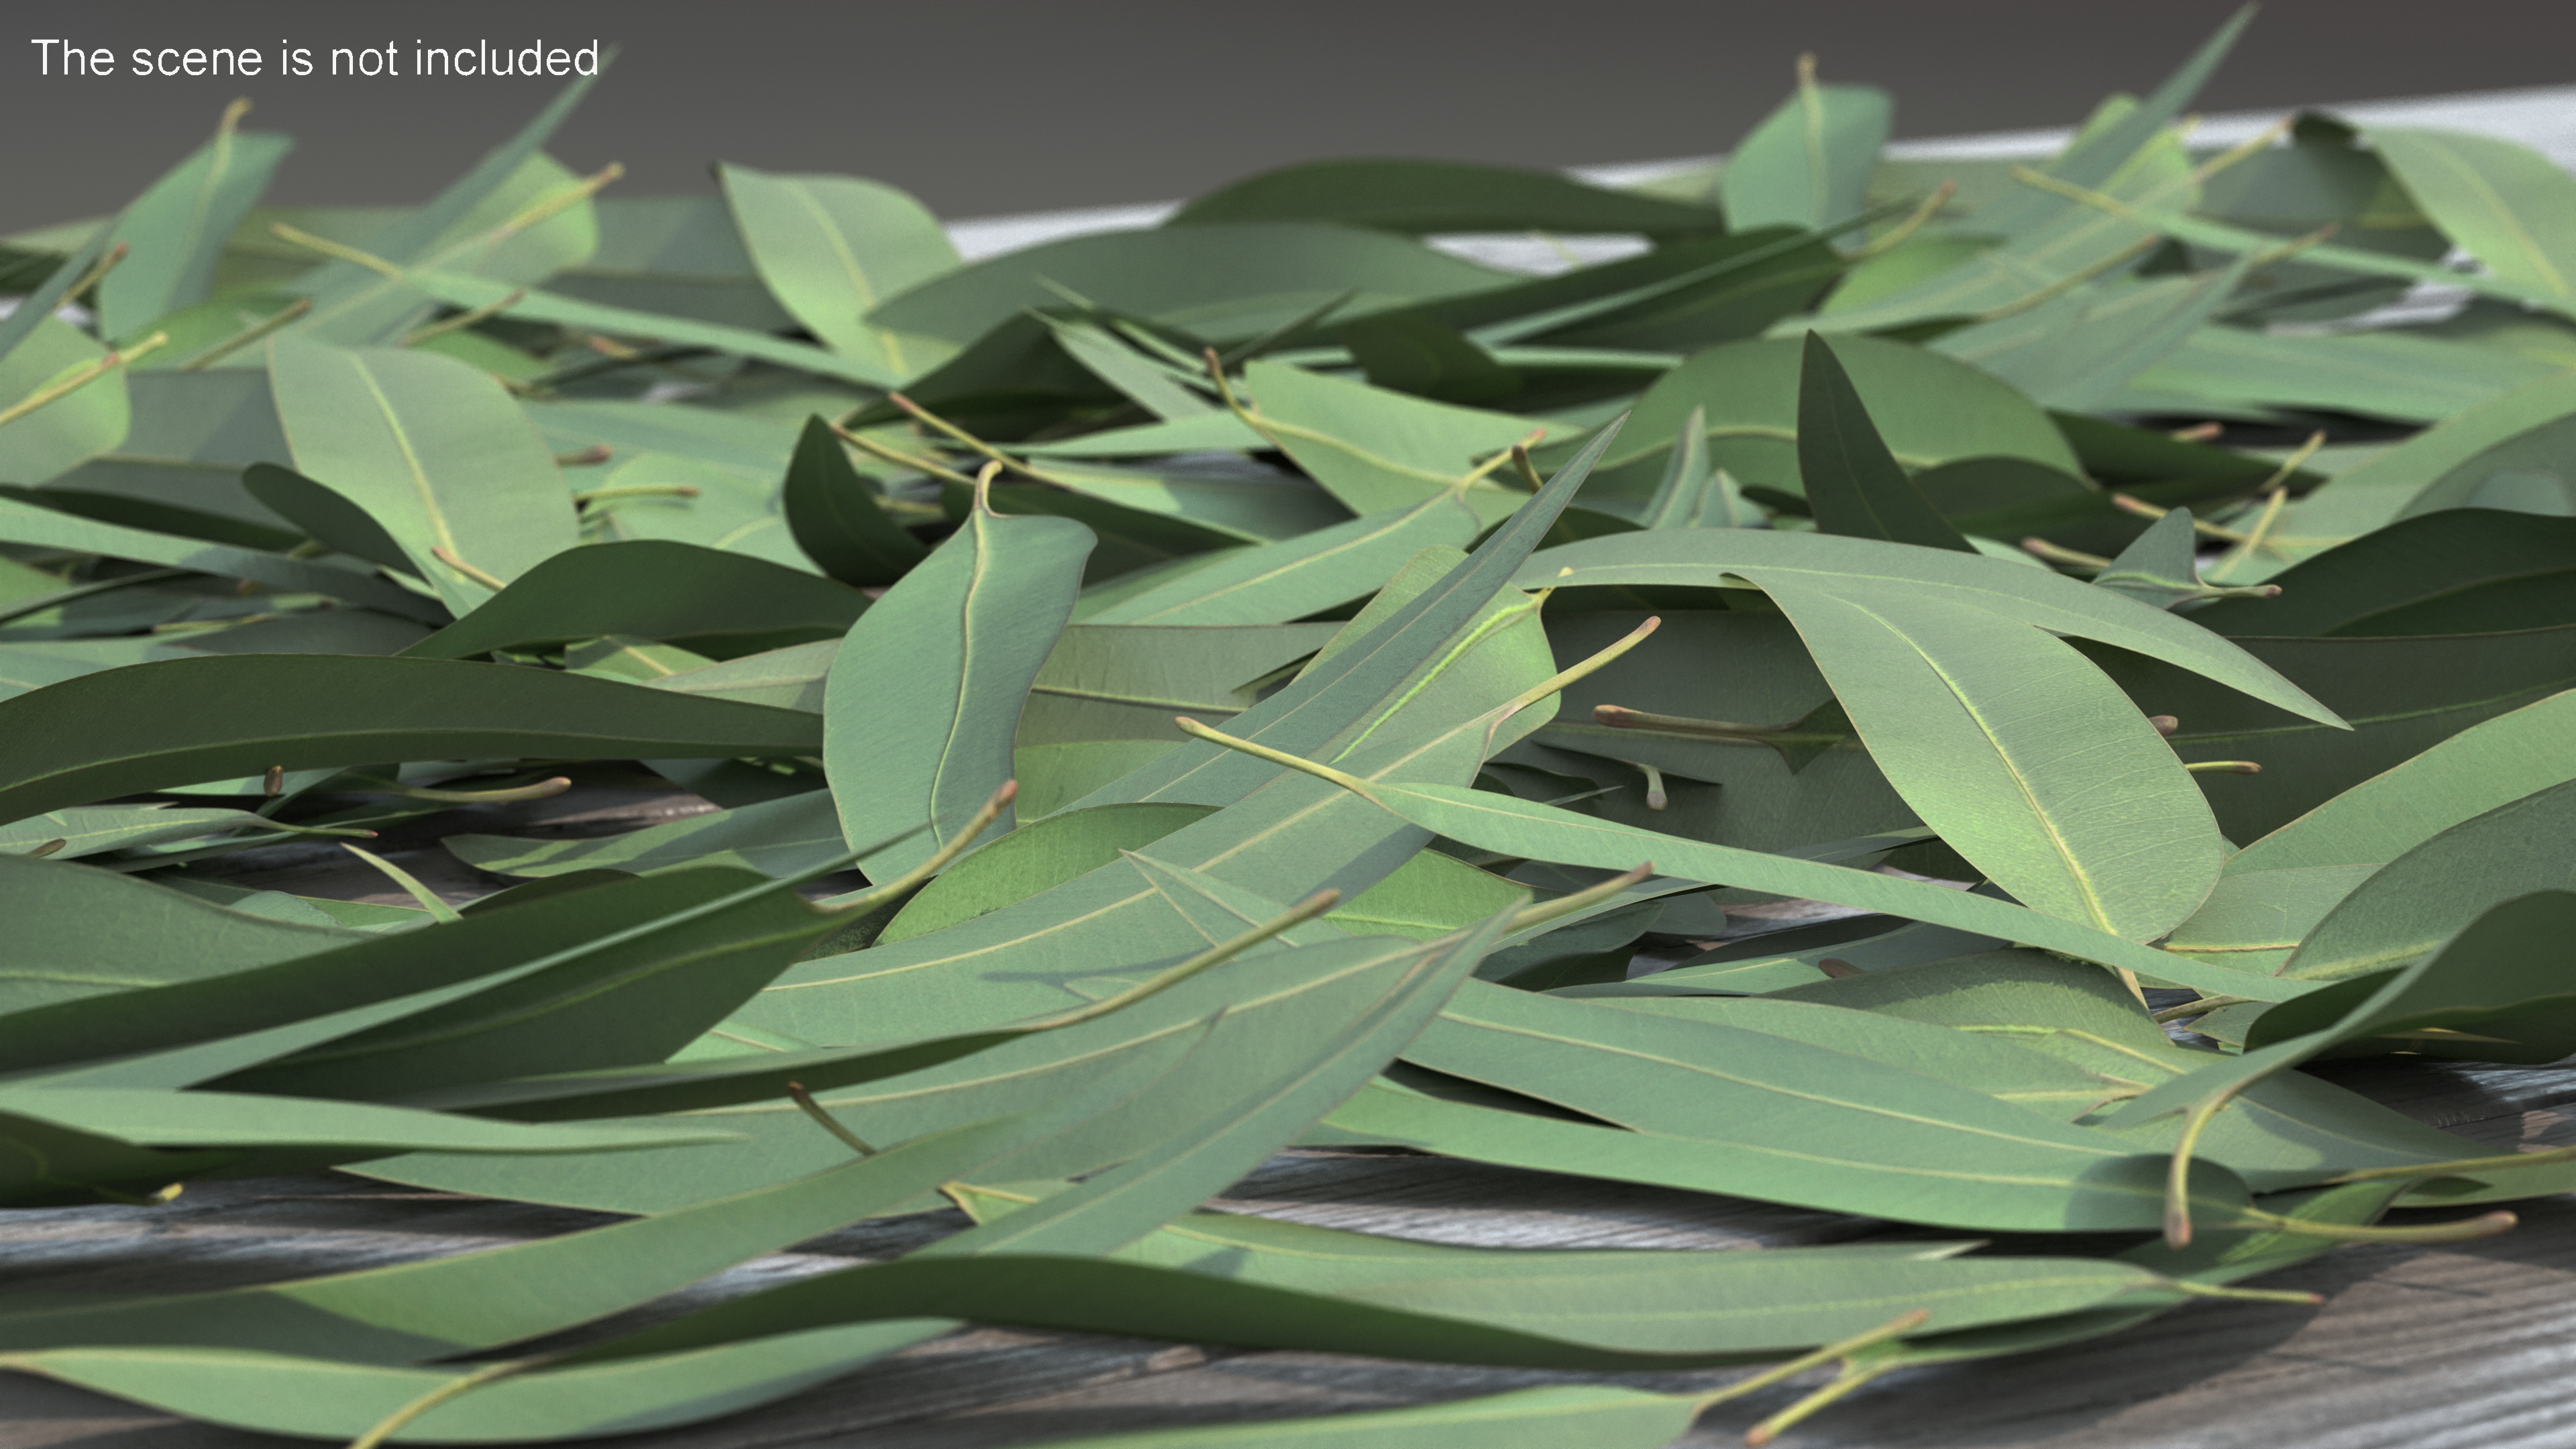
2466, 1346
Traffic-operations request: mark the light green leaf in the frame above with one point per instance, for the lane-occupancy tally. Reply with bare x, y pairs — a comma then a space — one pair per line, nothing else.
1808, 163
434, 451
1928, 409
2482, 767
177, 229
2505, 204
1526, 830
1222, 281
833, 247
103, 735
1290, 579
1378, 450
927, 689
39, 446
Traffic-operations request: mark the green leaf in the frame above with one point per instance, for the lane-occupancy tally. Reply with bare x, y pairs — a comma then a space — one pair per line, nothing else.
1126, 681
2401, 696
1838, 1127
1405, 984
1693, 493
779, 838
44, 528
2234, 371
831, 248
2161, 566
434, 451
78, 931
1524, 830
2414, 902
113, 827
789, 678
1157, 385
2016, 749
417, 229
535, 304
634, 1003
58, 436
1276, 582
837, 520
2445, 466
1808, 163
335, 1400
2256, 917
177, 229
40, 305
1598, 1416
2097, 153
325, 516
241, 1119
2076, 351
425, 1310
653, 589
2505, 204
537, 221
1222, 282
1378, 451
1037, 856
2479, 769
928, 686
1417, 197
1927, 408
2457, 571
2502, 958
105, 734
1846, 472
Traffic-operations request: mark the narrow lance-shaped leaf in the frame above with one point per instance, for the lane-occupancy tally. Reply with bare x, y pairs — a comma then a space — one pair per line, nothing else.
837, 520
178, 228
107, 734
1808, 163
831, 248
1526, 830
434, 451
926, 692
1852, 481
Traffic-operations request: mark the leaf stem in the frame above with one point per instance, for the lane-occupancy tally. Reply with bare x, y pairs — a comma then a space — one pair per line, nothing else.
248, 335
2484, 1225
465, 319
430, 901
542, 790
98, 270
1897, 1327
81, 379
2202, 1007
636, 490
1566, 905
1854, 1376
1350, 782
1915, 220
985, 814
468, 570
394, 1422
1216, 955
875, 449
806, 1104
2178, 1173
2460, 1166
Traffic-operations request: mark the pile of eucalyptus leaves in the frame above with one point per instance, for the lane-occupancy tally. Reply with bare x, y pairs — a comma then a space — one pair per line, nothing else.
1262, 680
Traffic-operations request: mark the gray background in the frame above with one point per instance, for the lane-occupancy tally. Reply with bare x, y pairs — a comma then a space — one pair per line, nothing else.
988, 106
